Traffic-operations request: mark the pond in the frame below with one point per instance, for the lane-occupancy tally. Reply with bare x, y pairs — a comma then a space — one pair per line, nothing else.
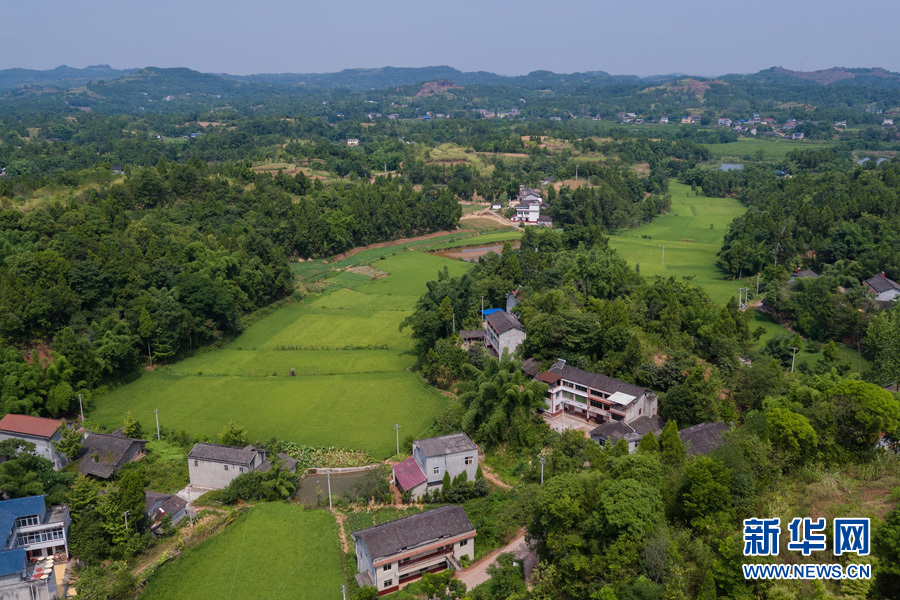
314, 486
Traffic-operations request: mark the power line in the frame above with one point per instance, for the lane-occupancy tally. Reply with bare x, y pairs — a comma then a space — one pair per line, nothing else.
240, 554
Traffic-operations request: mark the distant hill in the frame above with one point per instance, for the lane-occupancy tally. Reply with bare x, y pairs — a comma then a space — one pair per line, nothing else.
862, 77
61, 77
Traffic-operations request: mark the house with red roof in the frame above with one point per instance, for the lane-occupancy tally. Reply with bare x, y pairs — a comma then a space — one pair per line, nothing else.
37, 430
431, 459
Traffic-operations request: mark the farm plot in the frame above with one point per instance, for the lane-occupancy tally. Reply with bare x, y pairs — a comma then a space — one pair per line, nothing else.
692, 233
273, 551
351, 366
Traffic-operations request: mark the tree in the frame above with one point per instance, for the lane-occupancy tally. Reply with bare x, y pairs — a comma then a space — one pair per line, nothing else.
883, 340
82, 496
862, 412
670, 445
628, 506
648, 444
792, 434
278, 483
146, 329
693, 401
233, 435
704, 492
708, 588
132, 427
132, 497
886, 544
69, 443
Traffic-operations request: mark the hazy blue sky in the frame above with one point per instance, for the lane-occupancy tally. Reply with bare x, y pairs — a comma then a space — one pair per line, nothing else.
703, 37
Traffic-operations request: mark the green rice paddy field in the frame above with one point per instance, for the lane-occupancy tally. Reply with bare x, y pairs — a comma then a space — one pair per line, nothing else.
692, 232
272, 552
752, 149
352, 365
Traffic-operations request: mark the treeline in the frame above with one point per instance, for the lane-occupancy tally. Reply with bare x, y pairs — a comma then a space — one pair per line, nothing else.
167, 261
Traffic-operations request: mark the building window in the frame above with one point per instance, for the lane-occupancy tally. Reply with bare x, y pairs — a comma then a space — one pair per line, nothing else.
388, 582
464, 543
241, 469
580, 388
640, 410
196, 463
28, 521
468, 460
437, 470
386, 568
226, 467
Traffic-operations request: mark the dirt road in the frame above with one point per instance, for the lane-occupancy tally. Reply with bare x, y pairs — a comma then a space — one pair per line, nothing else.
477, 573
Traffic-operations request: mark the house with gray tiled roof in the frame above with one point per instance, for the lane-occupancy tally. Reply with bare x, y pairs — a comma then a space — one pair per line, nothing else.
393, 554
884, 289
431, 459
611, 432
158, 506
502, 331
595, 397
103, 454
214, 466
703, 437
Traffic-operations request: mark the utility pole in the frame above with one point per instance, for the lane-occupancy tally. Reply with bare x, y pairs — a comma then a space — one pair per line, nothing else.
664, 256
757, 284
329, 488
397, 429
793, 356
576, 172
126, 520
344, 591
81, 408
482, 308
156, 412
543, 461
740, 300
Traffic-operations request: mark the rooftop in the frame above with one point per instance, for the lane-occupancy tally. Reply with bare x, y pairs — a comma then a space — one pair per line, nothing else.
12, 561
446, 444
225, 454
409, 474
28, 425
704, 437
416, 530
879, 283
502, 321
110, 451
560, 370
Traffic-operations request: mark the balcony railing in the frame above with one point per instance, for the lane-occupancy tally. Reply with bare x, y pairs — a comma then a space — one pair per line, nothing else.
418, 563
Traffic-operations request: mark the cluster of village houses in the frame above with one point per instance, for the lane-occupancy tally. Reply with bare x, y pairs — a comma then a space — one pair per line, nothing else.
389, 555
772, 126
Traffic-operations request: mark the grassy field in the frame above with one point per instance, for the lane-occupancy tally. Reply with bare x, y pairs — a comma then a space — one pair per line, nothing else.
352, 364
691, 248
771, 149
273, 551
692, 232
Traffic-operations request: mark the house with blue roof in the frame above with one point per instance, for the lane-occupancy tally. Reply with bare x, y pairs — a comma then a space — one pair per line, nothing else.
31, 532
